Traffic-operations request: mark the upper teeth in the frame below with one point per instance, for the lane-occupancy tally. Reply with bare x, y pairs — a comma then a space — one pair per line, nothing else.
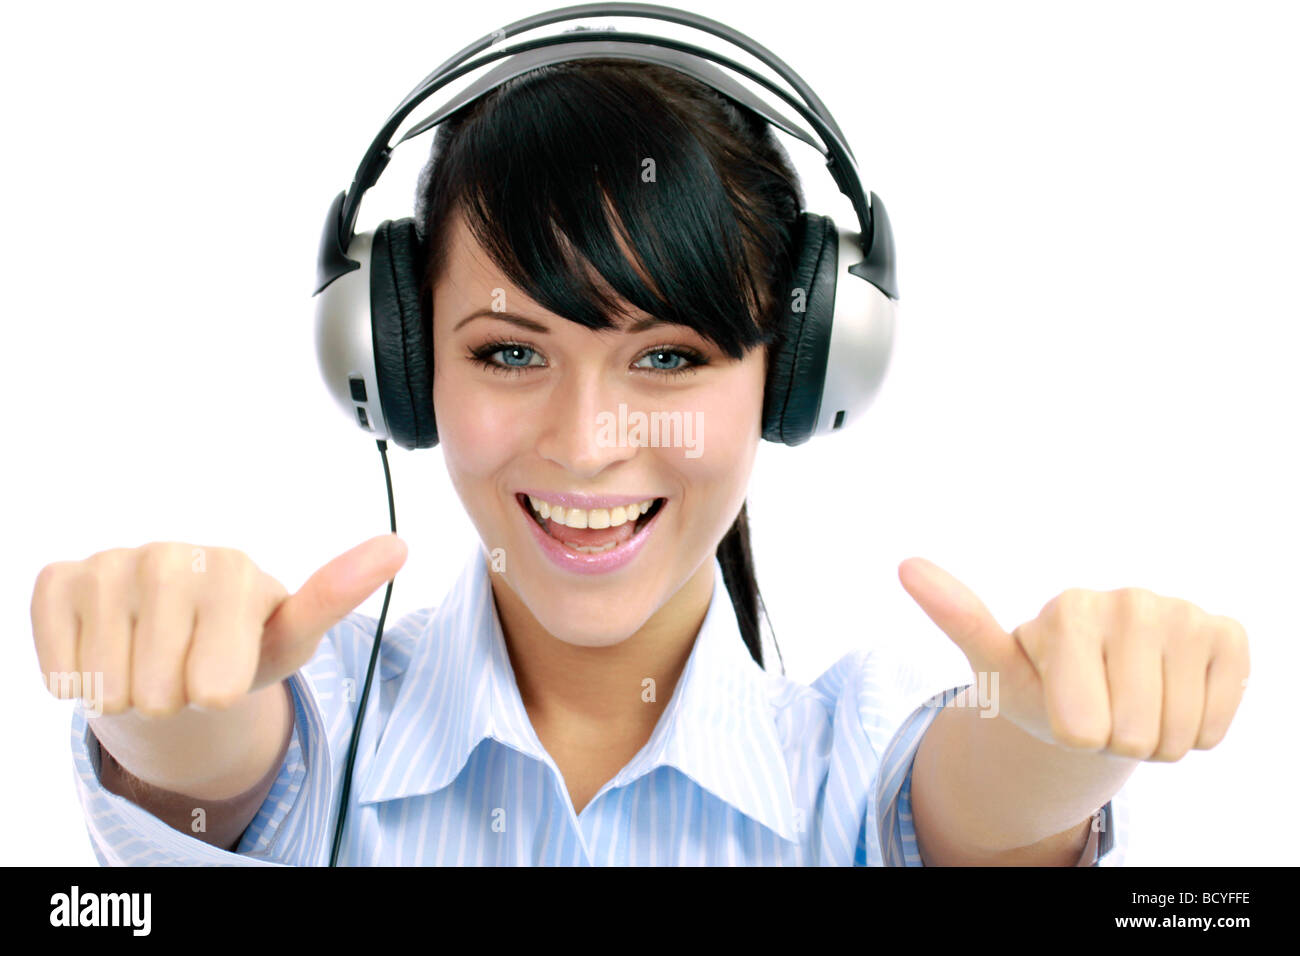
590, 518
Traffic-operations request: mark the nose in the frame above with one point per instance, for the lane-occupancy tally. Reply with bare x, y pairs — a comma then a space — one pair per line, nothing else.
572, 434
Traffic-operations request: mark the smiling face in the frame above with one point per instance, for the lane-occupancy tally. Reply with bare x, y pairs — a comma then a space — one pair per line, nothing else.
537, 409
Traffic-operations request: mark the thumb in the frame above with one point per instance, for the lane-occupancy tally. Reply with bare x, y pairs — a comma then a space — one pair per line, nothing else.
292, 633
960, 615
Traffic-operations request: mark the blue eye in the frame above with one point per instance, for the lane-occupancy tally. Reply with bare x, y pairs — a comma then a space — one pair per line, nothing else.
670, 353
517, 356
515, 352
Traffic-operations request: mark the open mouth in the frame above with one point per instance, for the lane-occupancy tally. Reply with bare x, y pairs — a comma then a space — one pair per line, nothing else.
614, 526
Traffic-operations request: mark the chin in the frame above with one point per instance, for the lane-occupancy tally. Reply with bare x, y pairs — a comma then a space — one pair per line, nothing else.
586, 620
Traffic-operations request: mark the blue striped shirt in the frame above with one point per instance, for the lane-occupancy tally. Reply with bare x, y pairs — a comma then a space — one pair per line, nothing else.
744, 767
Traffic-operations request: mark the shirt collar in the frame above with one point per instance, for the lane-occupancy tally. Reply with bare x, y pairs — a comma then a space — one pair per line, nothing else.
459, 689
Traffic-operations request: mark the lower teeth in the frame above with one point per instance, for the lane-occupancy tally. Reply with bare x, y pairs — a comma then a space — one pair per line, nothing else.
586, 550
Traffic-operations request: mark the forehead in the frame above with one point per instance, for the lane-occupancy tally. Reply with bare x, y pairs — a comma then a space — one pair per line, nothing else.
466, 262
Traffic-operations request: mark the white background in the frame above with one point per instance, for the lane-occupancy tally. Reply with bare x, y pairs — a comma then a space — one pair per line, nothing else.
1095, 208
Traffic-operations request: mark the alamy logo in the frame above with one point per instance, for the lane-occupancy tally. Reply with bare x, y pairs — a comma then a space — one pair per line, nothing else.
102, 909
658, 430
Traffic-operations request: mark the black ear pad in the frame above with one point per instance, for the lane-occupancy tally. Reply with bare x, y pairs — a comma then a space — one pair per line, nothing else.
403, 350
798, 358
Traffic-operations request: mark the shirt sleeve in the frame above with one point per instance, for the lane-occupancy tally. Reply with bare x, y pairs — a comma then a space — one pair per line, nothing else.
293, 822
889, 688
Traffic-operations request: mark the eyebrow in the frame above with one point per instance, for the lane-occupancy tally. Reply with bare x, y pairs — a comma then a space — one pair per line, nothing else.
640, 325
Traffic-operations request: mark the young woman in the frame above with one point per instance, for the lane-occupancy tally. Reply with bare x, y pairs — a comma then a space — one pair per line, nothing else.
591, 690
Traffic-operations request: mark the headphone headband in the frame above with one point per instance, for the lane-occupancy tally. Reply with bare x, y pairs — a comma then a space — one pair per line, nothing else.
649, 11
877, 265
632, 46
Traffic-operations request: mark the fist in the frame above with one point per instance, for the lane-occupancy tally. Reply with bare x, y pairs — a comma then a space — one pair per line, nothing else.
1126, 672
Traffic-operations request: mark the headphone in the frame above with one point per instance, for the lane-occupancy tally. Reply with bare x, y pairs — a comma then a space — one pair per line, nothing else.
829, 357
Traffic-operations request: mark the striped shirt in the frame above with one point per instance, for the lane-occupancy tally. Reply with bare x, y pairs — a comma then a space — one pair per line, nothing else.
744, 767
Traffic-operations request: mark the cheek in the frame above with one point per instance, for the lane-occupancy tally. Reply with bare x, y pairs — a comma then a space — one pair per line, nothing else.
730, 415
728, 421
476, 431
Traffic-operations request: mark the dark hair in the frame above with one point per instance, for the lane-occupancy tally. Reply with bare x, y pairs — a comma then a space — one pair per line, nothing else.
543, 169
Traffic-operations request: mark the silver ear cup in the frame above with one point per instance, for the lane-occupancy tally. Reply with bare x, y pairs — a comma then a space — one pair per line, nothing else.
862, 340
345, 346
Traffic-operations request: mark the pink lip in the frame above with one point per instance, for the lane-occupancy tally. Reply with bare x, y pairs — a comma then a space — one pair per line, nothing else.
567, 559
585, 502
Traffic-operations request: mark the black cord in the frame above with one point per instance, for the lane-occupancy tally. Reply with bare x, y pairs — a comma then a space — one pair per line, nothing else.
370, 672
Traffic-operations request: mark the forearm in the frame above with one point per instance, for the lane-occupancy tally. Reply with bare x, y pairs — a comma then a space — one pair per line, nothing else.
216, 754
217, 808
984, 791
219, 822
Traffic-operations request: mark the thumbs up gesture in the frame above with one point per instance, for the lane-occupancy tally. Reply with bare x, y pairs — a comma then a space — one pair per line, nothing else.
1125, 672
168, 624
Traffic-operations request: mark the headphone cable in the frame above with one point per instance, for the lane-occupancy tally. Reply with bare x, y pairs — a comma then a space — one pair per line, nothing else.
370, 672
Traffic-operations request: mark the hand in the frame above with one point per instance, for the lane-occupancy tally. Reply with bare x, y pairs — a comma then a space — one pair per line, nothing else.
166, 625
1125, 672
